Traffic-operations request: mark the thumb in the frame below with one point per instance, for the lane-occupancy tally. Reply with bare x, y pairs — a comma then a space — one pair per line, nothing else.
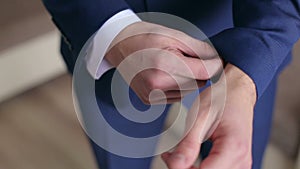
185, 154
203, 69
188, 149
200, 56
194, 47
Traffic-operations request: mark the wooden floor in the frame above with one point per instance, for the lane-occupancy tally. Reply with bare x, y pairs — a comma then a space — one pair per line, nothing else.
39, 130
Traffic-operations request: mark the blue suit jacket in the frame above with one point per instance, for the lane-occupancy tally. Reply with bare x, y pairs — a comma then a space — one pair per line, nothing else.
255, 35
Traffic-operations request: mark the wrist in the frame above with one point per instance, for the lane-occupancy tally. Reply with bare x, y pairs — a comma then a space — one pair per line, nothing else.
239, 80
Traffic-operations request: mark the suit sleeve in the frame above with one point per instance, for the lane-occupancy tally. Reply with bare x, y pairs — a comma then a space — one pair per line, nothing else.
264, 33
77, 20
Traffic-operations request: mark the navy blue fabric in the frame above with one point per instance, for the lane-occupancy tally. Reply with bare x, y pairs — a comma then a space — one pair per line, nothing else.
263, 35
262, 123
116, 120
77, 20
255, 35
108, 160
261, 127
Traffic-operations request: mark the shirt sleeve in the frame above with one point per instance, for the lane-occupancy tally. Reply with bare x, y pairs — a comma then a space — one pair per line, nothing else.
78, 20
264, 33
96, 64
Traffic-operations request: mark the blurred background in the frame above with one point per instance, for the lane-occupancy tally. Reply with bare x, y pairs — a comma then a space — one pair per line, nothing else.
38, 125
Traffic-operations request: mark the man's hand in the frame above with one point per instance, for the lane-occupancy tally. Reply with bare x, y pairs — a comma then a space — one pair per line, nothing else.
174, 58
232, 138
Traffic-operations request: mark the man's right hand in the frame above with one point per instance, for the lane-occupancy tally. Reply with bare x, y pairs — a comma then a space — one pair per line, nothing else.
179, 63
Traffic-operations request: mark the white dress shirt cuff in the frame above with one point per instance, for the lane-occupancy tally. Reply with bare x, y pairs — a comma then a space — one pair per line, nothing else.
96, 65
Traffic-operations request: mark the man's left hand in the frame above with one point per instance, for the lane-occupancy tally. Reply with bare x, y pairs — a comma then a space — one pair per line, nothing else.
232, 139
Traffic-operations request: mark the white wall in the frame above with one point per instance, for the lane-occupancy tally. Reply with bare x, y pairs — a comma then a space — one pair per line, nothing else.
29, 64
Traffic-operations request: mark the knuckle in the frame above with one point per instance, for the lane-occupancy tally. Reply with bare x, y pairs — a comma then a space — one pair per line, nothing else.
152, 83
210, 50
145, 99
206, 75
143, 96
212, 68
203, 72
146, 102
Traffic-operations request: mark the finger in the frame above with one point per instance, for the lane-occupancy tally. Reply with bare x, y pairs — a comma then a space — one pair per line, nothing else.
194, 47
158, 79
171, 96
228, 153
187, 44
189, 85
158, 96
165, 157
184, 155
163, 101
197, 125
194, 68
202, 69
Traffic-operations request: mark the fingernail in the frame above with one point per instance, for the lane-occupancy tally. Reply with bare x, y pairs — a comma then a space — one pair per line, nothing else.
178, 157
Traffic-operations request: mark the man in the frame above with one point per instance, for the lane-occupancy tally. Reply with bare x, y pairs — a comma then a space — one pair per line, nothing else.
253, 37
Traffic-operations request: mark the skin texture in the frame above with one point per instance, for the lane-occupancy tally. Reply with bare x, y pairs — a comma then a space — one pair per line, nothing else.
166, 51
175, 58
233, 136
